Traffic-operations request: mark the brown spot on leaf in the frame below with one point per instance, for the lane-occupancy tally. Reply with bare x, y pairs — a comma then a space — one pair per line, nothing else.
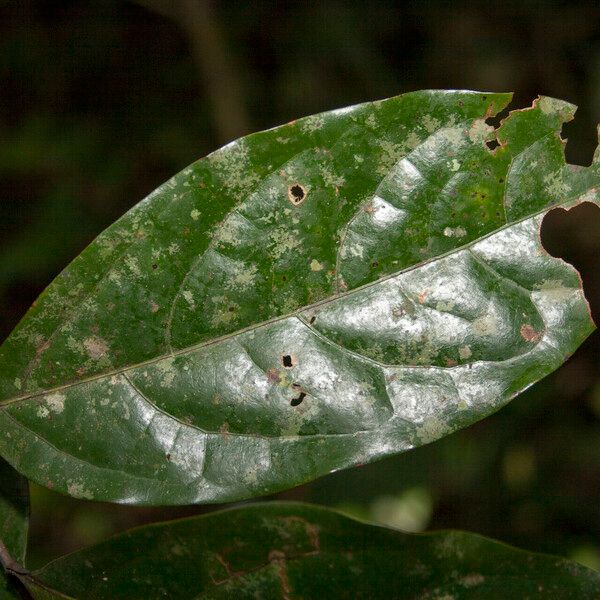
529, 334
224, 431
273, 376
369, 208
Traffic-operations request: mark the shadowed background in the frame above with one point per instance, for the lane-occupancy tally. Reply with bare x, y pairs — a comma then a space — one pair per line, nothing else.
103, 100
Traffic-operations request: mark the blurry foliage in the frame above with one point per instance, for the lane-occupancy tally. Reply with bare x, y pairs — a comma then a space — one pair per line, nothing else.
102, 100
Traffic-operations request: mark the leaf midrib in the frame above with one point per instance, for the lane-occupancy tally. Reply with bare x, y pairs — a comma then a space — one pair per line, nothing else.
295, 313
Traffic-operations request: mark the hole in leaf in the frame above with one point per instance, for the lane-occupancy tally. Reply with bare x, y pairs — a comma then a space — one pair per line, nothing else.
298, 400
289, 361
312, 319
574, 236
296, 194
492, 144
155, 266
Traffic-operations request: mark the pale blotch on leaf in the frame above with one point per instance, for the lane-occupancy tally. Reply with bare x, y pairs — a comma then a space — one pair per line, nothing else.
432, 429
485, 325
472, 580
464, 352
315, 265
455, 232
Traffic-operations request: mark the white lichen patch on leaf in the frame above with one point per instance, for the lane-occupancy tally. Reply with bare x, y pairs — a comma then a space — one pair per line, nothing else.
283, 240
450, 546
480, 131
556, 186
167, 371
132, 264
232, 165
42, 411
244, 277
96, 347
555, 289
56, 402
551, 106
455, 136
188, 296
292, 423
355, 250
413, 139
391, 154
229, 231
330, 179
115, 276
195, 214
312, 123
225, 311
78, 490
431, 123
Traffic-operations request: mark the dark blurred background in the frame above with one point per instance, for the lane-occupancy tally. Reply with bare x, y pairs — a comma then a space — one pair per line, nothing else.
102, 100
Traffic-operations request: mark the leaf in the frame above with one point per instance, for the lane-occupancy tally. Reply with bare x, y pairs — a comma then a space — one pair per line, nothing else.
346, 286
14, 518
292, 551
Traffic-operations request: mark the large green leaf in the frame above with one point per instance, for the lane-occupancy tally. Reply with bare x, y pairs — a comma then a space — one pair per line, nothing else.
14, 513
343, 287
293, 551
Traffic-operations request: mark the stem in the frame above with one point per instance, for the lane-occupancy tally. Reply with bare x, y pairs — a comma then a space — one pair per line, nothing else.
10, 565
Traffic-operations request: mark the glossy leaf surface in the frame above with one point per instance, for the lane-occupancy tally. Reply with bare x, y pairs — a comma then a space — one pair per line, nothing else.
343, 287
294, 551
14, 511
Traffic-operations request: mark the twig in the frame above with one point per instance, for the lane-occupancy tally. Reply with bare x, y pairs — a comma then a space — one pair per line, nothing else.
214, 61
